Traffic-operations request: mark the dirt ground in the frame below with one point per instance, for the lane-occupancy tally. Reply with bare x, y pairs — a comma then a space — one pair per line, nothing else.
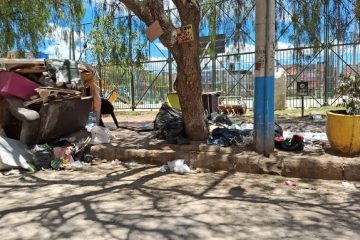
134, 201
289, 122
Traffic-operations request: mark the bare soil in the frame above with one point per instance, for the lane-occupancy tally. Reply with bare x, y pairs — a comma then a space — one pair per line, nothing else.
132, 201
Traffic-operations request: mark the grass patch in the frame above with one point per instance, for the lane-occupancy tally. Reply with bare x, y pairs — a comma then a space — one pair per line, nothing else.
135, 113
296, 112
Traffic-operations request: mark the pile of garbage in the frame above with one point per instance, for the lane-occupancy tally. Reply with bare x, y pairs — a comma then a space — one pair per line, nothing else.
63, 154
41, 102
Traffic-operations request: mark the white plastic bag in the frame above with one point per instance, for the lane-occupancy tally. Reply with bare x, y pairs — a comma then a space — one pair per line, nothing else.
14, 154
178, 166
100, 135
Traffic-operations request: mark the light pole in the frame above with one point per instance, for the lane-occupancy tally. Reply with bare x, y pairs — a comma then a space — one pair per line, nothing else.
264, 77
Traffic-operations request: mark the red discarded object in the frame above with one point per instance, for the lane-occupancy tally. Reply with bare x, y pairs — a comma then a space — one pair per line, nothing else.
14, 84
290, 183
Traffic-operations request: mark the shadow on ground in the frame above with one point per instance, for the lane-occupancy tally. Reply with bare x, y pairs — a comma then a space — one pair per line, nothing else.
107, 202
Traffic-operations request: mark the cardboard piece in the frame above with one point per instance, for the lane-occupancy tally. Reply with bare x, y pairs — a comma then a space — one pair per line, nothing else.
154, 31
185, 34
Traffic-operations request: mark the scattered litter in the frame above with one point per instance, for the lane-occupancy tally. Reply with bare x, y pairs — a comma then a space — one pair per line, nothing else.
64, 153
349, 186
77, 164
222, 119
88, 157
116, 162
42, 156
316, 117
12, 172
13, 153
295, 143
57, 163
164, 168
234, 126
100, 135
248, 140
104, 160
308, 136
290, 183
177, 166
246, 126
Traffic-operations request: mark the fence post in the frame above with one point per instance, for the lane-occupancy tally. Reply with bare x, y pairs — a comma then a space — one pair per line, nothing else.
213, 72
169, 61
326, 60
132, 84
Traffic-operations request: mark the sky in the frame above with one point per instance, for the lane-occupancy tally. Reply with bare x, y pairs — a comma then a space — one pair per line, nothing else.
56, 47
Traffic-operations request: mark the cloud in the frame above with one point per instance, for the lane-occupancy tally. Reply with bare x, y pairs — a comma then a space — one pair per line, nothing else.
59, 33
284, 45
57, 47
60, 50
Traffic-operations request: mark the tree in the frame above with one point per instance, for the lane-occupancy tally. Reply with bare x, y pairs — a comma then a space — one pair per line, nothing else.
24, 24
186, 56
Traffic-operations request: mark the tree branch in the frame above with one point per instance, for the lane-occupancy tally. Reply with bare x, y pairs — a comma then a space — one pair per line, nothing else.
149, 11
189, 10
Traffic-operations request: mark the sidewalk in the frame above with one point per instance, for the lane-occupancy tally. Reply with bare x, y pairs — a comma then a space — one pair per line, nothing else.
143, 148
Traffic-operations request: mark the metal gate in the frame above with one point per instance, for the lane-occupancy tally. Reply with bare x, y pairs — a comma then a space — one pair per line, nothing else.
144, 85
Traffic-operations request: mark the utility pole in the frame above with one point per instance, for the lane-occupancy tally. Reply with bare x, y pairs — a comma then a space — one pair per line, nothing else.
264, 77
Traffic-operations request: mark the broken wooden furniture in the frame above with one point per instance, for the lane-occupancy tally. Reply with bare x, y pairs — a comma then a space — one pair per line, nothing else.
232, 105
45, 122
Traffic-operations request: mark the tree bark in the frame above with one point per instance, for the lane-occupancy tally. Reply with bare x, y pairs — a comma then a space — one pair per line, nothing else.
186, 55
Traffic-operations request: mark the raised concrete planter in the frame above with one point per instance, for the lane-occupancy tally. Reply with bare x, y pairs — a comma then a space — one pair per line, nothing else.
214, 158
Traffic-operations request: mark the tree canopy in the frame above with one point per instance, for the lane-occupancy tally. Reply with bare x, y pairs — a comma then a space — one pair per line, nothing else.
24, 24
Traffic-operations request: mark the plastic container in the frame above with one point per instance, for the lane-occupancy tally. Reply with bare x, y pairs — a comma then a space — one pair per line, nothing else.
13, 84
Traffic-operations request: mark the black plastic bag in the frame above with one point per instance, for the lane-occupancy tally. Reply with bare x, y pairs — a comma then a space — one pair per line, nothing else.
225, 137
169, 125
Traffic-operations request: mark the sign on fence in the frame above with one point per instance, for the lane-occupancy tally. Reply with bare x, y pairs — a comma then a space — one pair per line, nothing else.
302, 88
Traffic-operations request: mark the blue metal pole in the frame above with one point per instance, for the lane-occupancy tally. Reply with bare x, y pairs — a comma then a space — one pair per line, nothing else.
264, 77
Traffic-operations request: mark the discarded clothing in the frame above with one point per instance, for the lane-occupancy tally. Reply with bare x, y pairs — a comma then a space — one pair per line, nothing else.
225, 137
223, 119
296, 143
169, 125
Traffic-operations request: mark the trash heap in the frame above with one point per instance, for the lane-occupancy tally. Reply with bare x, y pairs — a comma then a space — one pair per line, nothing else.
41, 103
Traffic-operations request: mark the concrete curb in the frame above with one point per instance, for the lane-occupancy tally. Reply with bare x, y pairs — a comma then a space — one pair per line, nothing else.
215, 158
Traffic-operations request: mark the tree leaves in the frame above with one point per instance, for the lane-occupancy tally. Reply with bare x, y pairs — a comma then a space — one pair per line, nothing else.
24, 24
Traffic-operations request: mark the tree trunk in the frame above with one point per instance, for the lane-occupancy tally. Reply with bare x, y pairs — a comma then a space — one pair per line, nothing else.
186, 55
189, 89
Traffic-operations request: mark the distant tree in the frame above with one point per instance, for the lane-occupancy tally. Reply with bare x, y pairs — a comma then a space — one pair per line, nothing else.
24, 24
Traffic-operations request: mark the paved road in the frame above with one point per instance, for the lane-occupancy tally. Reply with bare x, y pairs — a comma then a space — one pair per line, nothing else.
137, 202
